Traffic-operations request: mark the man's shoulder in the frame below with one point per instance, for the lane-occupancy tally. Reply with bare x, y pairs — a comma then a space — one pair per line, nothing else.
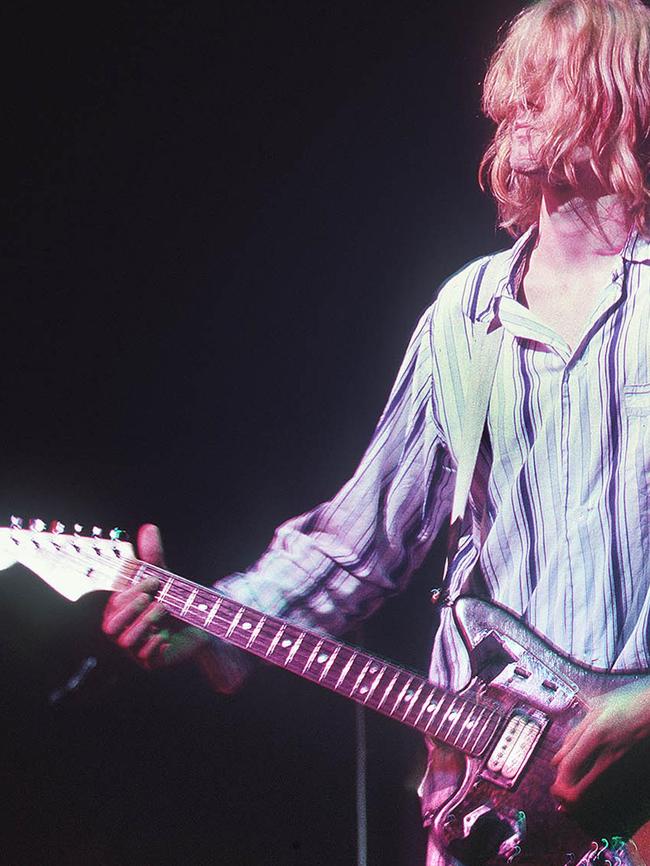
470, 290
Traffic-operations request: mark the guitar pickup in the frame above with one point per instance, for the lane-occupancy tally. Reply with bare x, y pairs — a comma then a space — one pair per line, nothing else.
514, 747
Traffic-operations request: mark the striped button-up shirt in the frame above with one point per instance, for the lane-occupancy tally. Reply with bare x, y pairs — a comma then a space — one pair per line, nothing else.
557, 519
558, 509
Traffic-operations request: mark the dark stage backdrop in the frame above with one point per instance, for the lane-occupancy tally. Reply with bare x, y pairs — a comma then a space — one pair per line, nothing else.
225, 220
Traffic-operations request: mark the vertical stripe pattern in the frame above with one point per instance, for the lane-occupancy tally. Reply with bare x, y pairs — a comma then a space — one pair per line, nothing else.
560, 499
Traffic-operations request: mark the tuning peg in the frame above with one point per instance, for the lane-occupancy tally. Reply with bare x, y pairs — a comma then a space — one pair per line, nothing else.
57, 527
78, 529
118, 535
37, 525
97, 532
16, 522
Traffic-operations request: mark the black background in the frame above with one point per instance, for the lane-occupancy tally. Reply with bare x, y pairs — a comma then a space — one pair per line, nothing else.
224, 220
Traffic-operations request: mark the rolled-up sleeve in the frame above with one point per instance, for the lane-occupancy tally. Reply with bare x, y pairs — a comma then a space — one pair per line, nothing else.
331, 567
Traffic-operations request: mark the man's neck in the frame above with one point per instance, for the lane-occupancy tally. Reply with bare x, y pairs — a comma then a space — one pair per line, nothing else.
578, 231
579, 239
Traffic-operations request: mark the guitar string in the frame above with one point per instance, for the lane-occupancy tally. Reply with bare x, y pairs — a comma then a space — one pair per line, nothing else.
273, 627
133, 571
138, 570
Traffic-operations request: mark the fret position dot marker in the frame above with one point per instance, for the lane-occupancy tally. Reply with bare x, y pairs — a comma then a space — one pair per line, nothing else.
431, 708
322, 658
452, 716
246, 626
409, 695
373, 669
286, 643
202, 607
363, 689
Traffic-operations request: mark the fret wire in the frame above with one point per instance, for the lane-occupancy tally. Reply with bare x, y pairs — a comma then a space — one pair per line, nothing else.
475, 722
275, 641
387, 690
445, 716
439, 705
258, 628
490, 717
375, 684
233, 624
425, 704
468, 721
359, 670
329, 648
479, 733
190, 601
473, 746
413, 701
295, 648
165, 590
346, 670
213, 612
330, 662
457, 715
400, 696
361, 677
444, 708
313, 655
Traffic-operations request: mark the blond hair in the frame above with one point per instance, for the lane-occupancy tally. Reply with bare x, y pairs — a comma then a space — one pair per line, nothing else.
592, 58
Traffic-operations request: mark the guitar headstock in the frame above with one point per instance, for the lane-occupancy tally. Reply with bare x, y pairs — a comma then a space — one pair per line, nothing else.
72, 564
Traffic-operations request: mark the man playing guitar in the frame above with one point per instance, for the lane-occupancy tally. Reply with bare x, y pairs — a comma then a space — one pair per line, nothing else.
556, 527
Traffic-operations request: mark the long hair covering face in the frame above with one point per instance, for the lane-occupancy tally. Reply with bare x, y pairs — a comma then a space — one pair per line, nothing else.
585, 65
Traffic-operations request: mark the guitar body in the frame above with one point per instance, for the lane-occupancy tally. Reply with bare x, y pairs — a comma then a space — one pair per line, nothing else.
498, 815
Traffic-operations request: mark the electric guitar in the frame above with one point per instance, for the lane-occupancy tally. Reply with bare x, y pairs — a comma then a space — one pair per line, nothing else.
508, 722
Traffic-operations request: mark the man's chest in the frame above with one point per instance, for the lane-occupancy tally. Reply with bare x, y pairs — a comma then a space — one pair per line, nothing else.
569, 423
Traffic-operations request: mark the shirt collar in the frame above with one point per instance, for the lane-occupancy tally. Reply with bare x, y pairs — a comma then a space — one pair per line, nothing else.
636, 249
507, 282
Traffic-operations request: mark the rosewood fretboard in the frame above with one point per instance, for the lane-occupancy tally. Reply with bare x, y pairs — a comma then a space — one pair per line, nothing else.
351, 672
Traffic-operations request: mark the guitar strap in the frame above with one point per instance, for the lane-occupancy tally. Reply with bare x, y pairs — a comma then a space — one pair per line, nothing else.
488, 338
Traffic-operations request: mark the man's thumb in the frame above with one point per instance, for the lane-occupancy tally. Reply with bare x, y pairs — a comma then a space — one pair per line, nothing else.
150, 547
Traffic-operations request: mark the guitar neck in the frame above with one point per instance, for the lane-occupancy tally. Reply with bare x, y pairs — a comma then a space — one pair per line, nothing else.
346, 670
